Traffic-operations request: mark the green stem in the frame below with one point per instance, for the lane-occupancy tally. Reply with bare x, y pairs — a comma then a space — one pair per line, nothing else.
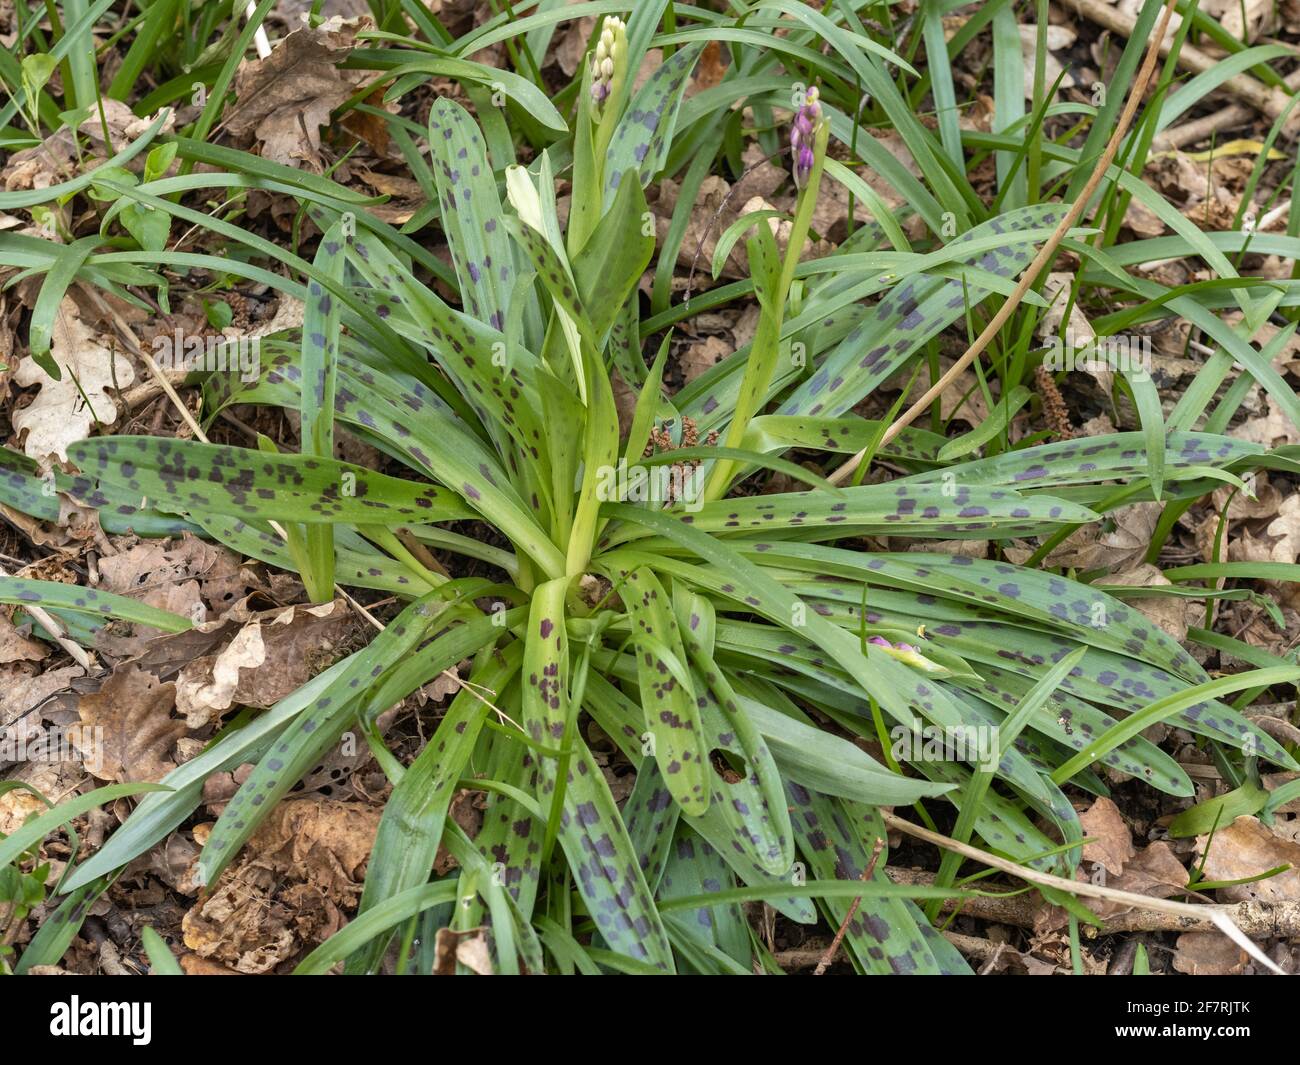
384, 537
764, 351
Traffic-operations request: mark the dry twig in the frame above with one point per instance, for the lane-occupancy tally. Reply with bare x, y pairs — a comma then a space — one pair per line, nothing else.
833, 949
1269, 100
1044, 257
1216, 916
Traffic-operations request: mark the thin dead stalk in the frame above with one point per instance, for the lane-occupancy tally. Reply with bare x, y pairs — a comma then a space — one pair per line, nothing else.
1216, 916
1259, 920
834, 948
1044, 257
1269, 100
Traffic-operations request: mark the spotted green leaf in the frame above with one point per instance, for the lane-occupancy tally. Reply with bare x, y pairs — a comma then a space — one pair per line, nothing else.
313, 730
320, 352
215, 479
411, 827
884, 935
471, 213
667, 694
55, 595
645, 131
592, 834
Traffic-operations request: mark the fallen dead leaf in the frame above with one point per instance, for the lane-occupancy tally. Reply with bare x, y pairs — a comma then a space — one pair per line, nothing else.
283, 100
369, 127
1180, 177
55, 159
1078, 333
1101, 425
288, 315
271, 656
8, 321
1143, 221
1255, 628
55, 780
74, 525
893, 143
964, 548
1288, 358
962, 400
473, 953
572, 46
1154, 871
1113, 843
1056, 290
127, 731
468, 948
62, 413
1171, 613
196, 966
652, 61
1265, 503
1122, 539
708, 220
709, 70
170, 861
1248, 847
467, 811
1280, 540
395, 185
700, 357
1208, 954
443, 686
295, 878
1272, 430
188, 576
1216, 212
831, 212
21, 689
16, 647
1244, 19
1058, 38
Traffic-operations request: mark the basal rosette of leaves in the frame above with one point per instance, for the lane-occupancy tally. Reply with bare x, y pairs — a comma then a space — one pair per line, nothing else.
740, 650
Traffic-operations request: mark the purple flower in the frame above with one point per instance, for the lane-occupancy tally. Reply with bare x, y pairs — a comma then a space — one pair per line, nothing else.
905, 652
803, 134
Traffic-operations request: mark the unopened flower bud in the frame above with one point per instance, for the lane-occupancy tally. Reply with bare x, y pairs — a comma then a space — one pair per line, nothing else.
907, 654
609, 63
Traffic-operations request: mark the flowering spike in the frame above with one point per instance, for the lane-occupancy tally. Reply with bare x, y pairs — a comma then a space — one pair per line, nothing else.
609, 63
803, 135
